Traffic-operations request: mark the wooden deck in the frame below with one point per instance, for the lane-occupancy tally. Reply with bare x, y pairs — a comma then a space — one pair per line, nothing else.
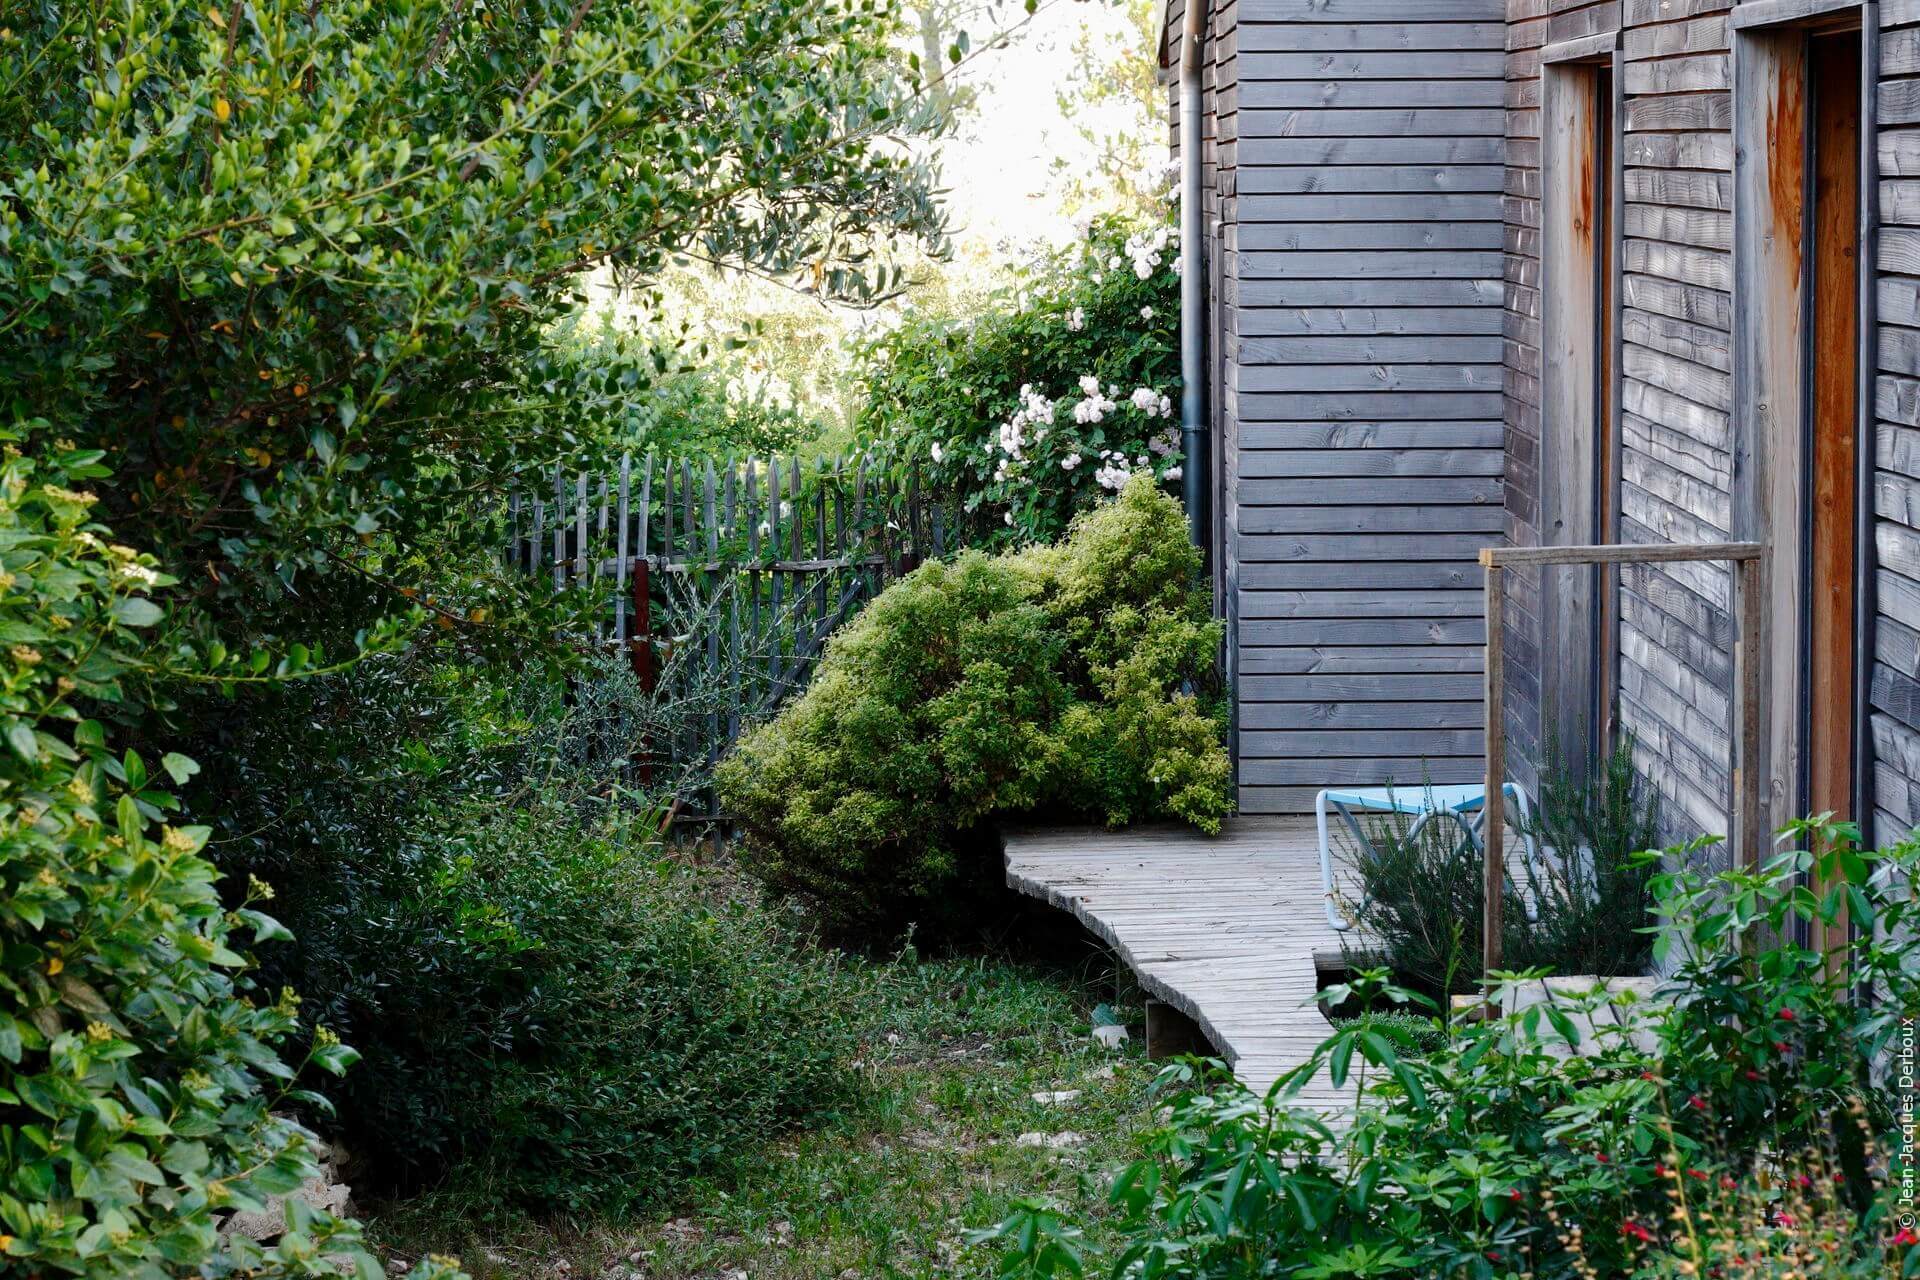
1224, 929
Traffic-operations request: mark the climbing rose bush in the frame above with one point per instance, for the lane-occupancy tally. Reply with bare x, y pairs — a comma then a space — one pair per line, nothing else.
1053, 680
1053, 398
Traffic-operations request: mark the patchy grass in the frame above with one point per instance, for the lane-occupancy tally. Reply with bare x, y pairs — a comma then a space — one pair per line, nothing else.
953, 1052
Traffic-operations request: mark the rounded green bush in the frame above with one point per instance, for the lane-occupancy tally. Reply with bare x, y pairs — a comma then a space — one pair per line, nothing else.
1062, 680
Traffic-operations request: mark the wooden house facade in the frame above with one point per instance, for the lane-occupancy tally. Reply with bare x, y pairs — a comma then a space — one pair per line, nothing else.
1562, 272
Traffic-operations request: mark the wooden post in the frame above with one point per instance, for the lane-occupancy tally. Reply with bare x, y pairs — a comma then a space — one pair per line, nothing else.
1493, 810
1749, 663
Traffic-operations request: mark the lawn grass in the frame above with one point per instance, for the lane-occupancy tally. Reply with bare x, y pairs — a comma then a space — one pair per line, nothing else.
953, 1050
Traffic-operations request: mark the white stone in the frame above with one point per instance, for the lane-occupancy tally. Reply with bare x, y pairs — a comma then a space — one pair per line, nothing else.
1111, 1037
1057, 1097
1051, 1141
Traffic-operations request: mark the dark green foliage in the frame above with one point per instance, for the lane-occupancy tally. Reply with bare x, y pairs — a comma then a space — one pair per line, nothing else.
547, 1008
1045, 681
1744, 1128
283, 288
1593, 904
1424, 891
985, 406
1413, 1034
308, 272
557, 1012
1421, 907
143, 1091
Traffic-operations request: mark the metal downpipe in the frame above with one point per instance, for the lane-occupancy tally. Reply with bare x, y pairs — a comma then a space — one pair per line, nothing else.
1193, 280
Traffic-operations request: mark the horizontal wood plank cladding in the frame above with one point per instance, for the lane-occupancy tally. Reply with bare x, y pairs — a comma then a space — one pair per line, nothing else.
1364, 378
1461, 659
1894, 684
1342, 13
1307, 547
1354, 179
1293, 238
1259, 37
1446, 122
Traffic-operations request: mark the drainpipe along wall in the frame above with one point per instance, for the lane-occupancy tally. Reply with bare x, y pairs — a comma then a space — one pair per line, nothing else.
1193, 278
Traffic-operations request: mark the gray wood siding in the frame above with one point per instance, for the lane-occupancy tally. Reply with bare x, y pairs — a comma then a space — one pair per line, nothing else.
1673, 276
1376, 184
1362, 387
1895, 676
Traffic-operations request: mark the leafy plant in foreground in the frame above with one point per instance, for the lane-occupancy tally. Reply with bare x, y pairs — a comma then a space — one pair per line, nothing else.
1597, 1136
142, 1087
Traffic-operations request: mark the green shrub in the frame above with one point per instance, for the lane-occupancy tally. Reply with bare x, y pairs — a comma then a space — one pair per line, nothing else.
1046, 403
1757, 1088
1045, 681
1593, 904
1422, 892
551, 1013
142, 1089
558, 1014
1414, 1033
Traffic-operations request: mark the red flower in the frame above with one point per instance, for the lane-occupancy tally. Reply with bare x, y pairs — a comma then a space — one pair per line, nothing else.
1659, 1170
1493, 1255
1786, 1015
1697, 1102
1635, 1230
1904, 1237
1695, 1173
1646, 1075
1726, 1183
1601, 1156
1780, 1046
1514, 1194
1752, 1074
1803, 1182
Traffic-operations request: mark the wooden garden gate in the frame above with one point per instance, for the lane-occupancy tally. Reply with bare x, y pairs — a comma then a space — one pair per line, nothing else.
722, 579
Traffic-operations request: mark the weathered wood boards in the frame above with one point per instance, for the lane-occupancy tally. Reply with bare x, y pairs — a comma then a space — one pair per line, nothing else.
1362, 379
1223, 929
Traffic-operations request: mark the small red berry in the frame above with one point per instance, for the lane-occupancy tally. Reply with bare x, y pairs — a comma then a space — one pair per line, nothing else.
1601, 1156
1786, 1015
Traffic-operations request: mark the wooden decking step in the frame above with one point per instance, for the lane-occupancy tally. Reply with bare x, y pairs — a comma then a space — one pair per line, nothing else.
1222, 928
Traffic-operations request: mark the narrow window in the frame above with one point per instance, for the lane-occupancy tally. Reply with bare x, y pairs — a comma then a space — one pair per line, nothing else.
1578, 449
1833, 490
1797, 369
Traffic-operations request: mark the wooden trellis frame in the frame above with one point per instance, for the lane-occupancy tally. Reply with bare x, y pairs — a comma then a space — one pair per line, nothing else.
1749, 560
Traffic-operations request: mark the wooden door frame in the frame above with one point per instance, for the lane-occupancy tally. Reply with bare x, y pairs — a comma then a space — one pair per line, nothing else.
1580, 401
1771, 410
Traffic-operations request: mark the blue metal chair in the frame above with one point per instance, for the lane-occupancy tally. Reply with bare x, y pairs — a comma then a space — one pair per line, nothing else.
1462, 804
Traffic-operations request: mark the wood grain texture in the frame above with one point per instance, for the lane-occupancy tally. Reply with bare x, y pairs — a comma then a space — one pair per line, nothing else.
1223, 929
